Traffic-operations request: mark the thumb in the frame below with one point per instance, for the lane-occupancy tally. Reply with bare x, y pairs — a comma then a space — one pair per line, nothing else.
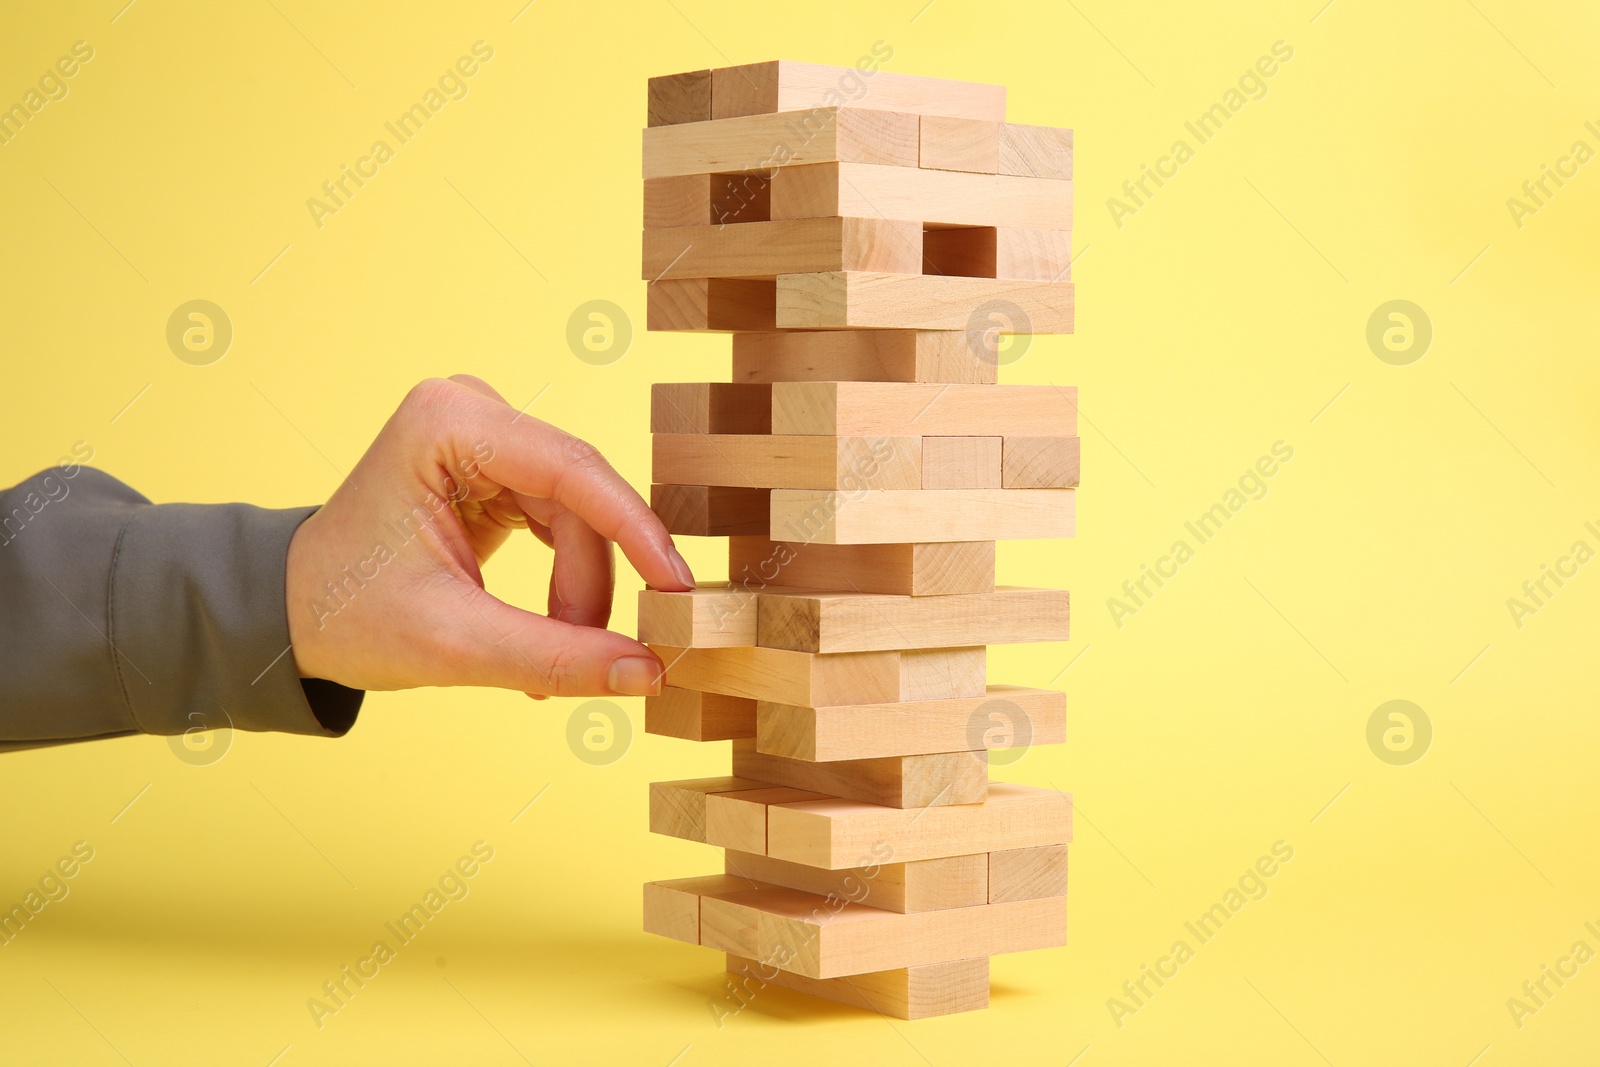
535, 654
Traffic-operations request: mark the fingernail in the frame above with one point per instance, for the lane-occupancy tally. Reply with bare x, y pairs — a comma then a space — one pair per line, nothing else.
681, 565
635, 676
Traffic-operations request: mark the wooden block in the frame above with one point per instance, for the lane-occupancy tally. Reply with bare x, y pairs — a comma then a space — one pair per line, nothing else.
1036, 255
761, 143
863, 299
812, 936
867, 356
790, 461
1039, 462
711, 511
783, 85
674, 910
957, 198
934, 569
1028, 873
696, 716
678, 809
961, 251
856, 409
808, 621
711, 616
793, 246
740, 198
1036, 151
903, 993
781, 675
836, 833
676, 98
959, 144
738, 820
887, 516
896, 781
1004, 716
710, 407
711, 304
943, 673
961, 463
922, 885
683, 200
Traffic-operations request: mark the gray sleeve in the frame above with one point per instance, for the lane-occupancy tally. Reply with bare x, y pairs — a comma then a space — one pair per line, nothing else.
119, 616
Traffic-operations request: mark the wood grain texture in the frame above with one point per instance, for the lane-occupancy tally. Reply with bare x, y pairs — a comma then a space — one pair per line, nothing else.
684, 200
696, 716
1002, 716
922, 885
711, 511
809, 621
889, 516
675, 98
922, 992
710, 616
678, 809
763, 142
1028, 873
863, 299
895, 781
1040, 462
1036, 151
935, 569
866, 355
1033, 255
949, 197
835, 833
789, 461
738, 819
958, 144
781, 675
892, 408
960, 463
710, 407
784, 85
711, 304
938, 673
793, 246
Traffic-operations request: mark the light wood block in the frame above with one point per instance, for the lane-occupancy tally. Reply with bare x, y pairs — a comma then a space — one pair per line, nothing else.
678, 809
766, 141
896, 781
676, 98
941, 673
1004, 715
922, 885
793, 246
1036, 255
684, 200
673, 909
903, 993
711, 511
784, 676
836, 833
858, 299
889, 516
696, 716
711, 304
934, 569
950, 197
808, 621
958, 144
710, 407
1036, 151
738, 820
1039, 462
790, 461
961, 463
856, 409
710, 616
783, 85
866, 355
812, 936
1028, 873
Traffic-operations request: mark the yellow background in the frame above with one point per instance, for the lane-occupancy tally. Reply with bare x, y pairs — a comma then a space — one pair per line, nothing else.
1223, 717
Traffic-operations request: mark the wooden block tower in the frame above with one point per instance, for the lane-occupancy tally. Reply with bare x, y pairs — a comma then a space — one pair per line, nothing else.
865, 238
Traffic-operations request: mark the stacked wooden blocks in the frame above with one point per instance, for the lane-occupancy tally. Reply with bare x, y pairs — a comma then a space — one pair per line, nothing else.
863, 237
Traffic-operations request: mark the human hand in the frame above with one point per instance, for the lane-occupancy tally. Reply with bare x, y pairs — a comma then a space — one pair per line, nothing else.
384, 586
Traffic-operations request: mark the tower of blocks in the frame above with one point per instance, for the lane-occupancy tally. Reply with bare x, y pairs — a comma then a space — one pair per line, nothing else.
865, 238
